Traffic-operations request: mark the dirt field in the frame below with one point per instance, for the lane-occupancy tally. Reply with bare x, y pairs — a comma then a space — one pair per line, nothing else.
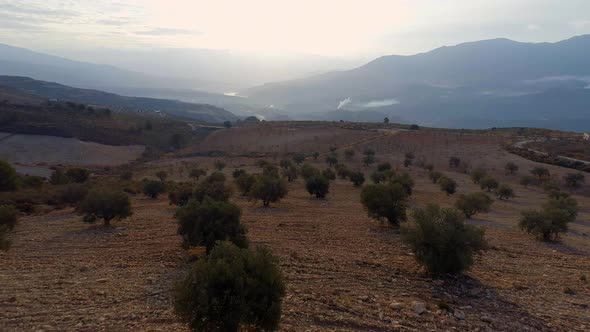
344, 271
50, 150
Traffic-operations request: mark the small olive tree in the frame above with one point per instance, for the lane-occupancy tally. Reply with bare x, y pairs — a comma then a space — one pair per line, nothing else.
106, 205
448, 185
489, 183
574, 180
319, 186
153, 189
8, 177
505, 191
473, 203
552, 219
385, 202
511, 168
357, 178
269, 189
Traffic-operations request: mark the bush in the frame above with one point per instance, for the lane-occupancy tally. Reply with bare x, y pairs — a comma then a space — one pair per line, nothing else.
369, 160
232, 288
332, 159
511, 167
78, 175
471, 204
33, 182
382, 176
285, 163
574, 180
541, 173
196, 173
8, 216
369, 152
553, 218
488, 183
290, 173
526, 181
245, 183
204, 223
448, 185
106, 205
308, 171
4, 241
329, 174
385, 202
505, 192
357, 178
269, 189
478, 174
73, 193
342, 171
153, 189
298, 158
8, 177
454, 162
386, 166
441, 241
58, 177
349, 154
270, 170
407, 162
405, 180
318, 186
435, 176
180, 194
315, 155
215, 177
215, 190
219, 165
238, 172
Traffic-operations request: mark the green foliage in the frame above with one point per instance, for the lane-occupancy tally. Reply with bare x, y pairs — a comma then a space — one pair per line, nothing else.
541, 173
405, 180
180, 194
471, 204
369, 160
308, 171
215, 190
386, 120
349, 154
332, 159
269, 189
58, 177
454, 162
162, 175
435, 176
196, 173
245, 183
106, 205
369, 152
238, 172
227, 124
574, 180
448, 185
72, 193
4, 241
290, 173
204, 223
8, 177
219, 165
298, 158
342, 171
232, 289
315, 155
270, 170
505, 192
215, 177
357, 178
153, 189
319, 186
385, 166
8, 216
552, 219
478, 174
32, 181
511, 167
385, 202
441, 241
488, 183
329, 174
382, 176
78, 175
285, 163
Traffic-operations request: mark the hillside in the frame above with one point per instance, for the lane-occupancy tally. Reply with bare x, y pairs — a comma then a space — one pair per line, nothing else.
50, 90
472, 79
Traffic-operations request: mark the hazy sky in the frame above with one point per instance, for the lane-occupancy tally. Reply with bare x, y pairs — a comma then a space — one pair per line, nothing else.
324, 27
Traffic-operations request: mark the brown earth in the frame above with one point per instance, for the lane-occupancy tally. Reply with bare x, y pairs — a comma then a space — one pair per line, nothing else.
345, 272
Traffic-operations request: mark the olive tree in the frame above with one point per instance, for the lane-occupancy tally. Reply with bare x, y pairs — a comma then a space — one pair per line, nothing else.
106, 205
385, 202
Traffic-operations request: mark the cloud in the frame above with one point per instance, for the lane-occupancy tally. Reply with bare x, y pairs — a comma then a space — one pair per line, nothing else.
167, 32
380, 103
533, 27
343, 103
579, 24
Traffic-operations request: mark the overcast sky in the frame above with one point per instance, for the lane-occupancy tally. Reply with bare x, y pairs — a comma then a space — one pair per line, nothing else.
359, 28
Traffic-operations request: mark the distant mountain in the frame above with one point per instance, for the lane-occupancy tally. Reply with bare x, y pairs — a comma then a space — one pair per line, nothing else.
518, 80
49, 90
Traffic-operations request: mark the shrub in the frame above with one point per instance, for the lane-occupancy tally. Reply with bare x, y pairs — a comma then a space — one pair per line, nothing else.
285, 163
552, 219
478, 174
33, 182
405, 180
8, 216
204, 223
4, 241
369, 152
245, 183
315, 155
329, 174
385, 202
357, 178
349, 154
308, 171
269, 189
435, 176
526, 181
215, 190
574, 180
153, 189
505, 192
318, 186
488, 183
58, 177
369, 160
541, 173
454, 162
448, 185
290, 173
180, 194
386, 166
342, 171
219, 165
196, 173
106, 205
383, 176
511, 167
407, 162
441, 241
238, 172
73, 193
298, 158
78, 175
8, 177
270, 170
332, 159
471, 204
230, 288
